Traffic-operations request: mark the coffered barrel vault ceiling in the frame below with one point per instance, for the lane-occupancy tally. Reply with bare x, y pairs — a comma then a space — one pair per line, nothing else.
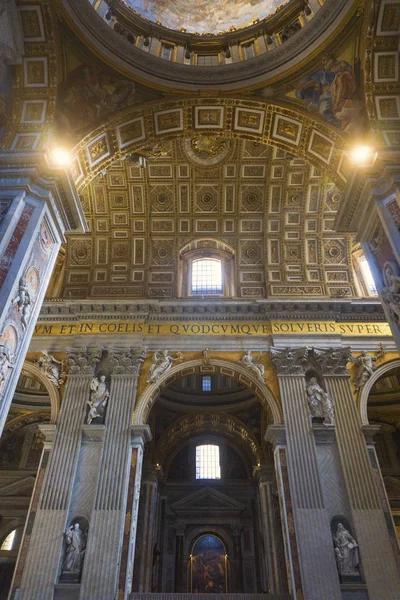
276, 211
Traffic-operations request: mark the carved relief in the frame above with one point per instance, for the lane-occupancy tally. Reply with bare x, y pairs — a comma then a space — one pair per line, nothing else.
52, 368
253, 364
99, 396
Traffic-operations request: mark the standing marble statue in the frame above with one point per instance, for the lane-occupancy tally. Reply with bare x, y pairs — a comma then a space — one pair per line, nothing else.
24, 302
346, 551
319, 402
98, 398
75, 542
51, 367
163, 362
253, 364
365, 368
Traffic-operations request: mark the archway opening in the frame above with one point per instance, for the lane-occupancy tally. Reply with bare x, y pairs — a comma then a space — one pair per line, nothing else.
200, 517
383, 409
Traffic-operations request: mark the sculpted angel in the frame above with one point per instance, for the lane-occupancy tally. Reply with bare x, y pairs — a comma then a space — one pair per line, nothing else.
365, 367
51, 367
163, 361
98, 398
253, 364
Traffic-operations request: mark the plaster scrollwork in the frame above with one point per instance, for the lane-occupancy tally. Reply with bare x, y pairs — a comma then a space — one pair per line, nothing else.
81, 361
162, 363
127, 361
52, 368
333, 361
289, 361
253, 364
320, 403
99, 396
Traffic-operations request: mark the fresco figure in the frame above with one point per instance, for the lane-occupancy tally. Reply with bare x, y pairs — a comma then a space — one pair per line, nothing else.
332, 93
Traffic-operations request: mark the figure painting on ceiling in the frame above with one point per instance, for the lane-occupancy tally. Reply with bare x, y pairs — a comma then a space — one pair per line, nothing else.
88, 95
332, 92
205, 16
208, 566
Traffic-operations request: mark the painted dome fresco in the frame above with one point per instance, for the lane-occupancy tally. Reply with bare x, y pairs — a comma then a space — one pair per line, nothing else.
205, 16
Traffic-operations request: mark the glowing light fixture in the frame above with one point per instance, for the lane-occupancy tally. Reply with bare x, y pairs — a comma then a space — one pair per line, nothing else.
60, 157
362, 155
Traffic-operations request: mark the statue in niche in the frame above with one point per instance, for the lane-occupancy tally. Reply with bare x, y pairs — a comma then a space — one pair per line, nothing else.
23, 301
98, 399
346, 551
52, 368
390, 292
75, 540
320, 403
163, 362
365, 368
253, 364
7, 361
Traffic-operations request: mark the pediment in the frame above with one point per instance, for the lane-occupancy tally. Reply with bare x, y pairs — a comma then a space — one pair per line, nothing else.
207, 499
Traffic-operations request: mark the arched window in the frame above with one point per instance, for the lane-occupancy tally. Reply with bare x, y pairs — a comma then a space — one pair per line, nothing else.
12, 541
363, 272
206, 268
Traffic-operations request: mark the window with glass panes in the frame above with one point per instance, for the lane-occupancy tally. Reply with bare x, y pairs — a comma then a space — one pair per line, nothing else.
207, 462
206, 276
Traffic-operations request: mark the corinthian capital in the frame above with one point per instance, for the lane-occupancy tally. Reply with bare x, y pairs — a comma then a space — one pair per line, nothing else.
289, 361
127, 361
81, 361
333, 361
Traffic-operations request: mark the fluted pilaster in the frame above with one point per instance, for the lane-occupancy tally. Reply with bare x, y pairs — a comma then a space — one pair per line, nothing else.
317, 562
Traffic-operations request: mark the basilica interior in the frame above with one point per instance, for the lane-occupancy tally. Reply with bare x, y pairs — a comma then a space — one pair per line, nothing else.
199, 299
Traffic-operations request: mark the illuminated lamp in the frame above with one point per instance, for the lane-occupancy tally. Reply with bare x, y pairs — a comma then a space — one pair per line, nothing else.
362, 155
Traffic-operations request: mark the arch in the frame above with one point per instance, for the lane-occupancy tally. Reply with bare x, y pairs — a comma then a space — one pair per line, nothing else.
231, 369
29, 368
366, 390
144, 125
195, 424
199, 532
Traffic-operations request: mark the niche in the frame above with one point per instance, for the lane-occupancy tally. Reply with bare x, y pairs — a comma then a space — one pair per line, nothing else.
74, 547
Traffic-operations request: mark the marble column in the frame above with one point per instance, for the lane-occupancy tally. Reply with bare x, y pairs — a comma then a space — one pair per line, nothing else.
148, 515
378, 562
139, 435
180, 583
49, 431
319, 575
103, 553
270, 529
42, 562
32, 227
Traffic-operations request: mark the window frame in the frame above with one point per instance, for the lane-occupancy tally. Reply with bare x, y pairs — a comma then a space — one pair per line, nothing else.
364, 289
213, 445
187, 258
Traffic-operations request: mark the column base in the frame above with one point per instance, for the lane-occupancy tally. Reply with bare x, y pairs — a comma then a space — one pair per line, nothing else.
67, 591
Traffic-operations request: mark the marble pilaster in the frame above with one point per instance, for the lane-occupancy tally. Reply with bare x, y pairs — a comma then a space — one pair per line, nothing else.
43, 557
148, 516
102, 559
317, 562
378, 562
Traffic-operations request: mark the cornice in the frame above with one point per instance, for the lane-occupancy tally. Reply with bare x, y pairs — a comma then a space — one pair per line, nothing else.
184, 310
151, 70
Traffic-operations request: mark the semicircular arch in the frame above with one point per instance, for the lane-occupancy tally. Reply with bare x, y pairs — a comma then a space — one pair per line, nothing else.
230, 369
32, 370
220, 423
144, 125
366, 390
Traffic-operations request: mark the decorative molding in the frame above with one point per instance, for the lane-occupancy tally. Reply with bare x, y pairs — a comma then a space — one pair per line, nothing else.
333, 361
289, 361
82, 361
127, 361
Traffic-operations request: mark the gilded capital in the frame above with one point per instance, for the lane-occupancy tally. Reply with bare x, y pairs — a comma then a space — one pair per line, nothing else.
289, 361
333, 361
81, 361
